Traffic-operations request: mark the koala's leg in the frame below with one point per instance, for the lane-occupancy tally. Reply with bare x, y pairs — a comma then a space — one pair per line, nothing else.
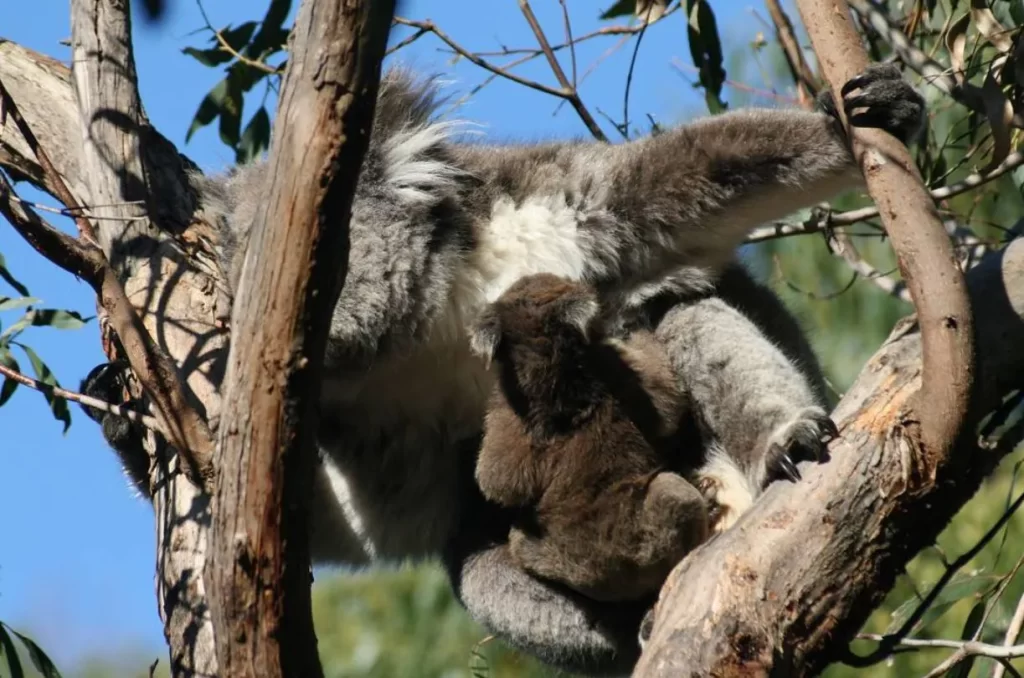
545, 620
753, 397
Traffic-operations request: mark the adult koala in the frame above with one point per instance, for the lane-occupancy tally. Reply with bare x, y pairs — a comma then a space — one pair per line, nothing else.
441, 228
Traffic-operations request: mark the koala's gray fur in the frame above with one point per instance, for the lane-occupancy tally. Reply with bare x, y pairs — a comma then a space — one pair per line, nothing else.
440, 228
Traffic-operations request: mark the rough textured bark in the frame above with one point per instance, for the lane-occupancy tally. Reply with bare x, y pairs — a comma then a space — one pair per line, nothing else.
782, 591
258, 570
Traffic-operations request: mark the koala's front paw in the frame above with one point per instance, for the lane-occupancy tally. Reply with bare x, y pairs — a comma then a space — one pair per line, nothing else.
884, 100
803, 438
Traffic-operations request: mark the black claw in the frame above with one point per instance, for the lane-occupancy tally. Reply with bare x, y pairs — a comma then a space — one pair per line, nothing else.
830, 429
788, 468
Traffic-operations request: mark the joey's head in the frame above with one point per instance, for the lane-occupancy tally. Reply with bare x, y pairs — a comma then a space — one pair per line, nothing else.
541, 325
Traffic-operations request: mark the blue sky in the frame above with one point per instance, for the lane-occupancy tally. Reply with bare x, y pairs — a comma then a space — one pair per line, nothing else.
76, 549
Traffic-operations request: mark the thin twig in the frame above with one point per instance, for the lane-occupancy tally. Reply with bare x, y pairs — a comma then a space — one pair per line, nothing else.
802, 74
621, 29
226, 47
986, 649
629, 73
1012, 162
1012, 633
431, 27
406, 41
857, 263
131, 415
568, 39
569, 92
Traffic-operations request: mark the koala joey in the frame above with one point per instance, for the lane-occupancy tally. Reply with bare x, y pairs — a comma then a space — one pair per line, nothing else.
442, 226
576, 439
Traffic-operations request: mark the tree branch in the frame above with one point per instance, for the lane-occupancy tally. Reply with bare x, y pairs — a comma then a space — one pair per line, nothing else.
923, 250
296, 261
761, 598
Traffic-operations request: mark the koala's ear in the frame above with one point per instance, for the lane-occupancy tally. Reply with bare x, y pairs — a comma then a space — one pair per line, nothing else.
485, 335
580, 311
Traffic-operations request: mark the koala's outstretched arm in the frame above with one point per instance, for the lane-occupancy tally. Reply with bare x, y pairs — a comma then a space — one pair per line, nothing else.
691, 194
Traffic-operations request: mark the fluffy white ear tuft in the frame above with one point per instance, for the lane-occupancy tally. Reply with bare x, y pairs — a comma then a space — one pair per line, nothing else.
485, 335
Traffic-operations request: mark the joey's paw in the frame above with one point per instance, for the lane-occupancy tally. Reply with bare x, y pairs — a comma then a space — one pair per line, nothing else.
883, 99
720, 516
803, 438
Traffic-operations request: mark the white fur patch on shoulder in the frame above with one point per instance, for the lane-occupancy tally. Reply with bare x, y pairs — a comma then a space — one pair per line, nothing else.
725, 485
416, 178
540, 235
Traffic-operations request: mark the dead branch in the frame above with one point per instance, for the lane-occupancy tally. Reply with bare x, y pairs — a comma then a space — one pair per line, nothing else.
258, 570
569, 92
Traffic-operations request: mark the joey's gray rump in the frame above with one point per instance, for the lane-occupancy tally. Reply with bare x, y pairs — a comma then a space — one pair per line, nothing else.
441, 227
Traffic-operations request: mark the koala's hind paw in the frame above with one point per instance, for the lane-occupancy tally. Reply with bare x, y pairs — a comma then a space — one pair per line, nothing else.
803, 438
884, 100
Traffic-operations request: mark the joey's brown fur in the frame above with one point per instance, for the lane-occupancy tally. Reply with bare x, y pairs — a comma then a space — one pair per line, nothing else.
575, 439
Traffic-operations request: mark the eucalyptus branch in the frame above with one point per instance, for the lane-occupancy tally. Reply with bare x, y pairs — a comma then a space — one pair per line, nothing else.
803, 77
569, 92
146, 420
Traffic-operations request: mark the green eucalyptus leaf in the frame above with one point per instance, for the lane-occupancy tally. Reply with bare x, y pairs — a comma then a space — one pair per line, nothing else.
9, 386
6, 276
8, 303
255, 138
62, 320
58, 405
